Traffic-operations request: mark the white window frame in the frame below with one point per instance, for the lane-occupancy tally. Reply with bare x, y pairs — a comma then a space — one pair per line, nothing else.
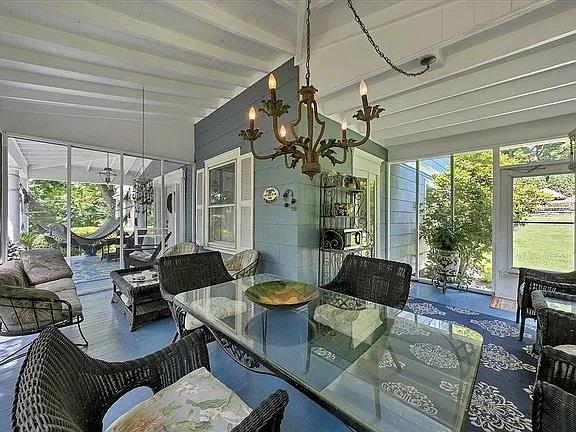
231, 156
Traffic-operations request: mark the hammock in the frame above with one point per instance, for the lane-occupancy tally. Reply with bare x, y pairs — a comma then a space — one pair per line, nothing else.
48, 223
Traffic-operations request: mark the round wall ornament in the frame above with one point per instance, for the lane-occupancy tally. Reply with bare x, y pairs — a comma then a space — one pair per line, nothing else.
270, 195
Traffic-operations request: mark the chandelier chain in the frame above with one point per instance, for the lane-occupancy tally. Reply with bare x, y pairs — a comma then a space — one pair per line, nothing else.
308, 43
379, 51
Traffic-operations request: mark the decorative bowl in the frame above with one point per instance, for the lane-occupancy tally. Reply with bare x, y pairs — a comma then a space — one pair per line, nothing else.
282, 294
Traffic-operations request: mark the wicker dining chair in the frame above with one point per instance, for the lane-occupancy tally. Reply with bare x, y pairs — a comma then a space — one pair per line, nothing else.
60, 388
532, 284
181, 273
376, 280
243, 264
545, 275
554, 406
181, 249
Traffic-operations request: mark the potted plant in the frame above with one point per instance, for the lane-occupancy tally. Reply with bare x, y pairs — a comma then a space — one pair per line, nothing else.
444, 253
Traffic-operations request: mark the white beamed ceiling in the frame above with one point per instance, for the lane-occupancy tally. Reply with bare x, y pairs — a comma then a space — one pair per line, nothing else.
500, 62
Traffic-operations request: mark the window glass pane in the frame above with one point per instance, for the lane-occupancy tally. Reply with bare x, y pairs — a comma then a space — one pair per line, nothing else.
403, 235
473, 191
222, 185
222, 224
535, 152
543, 231
435, 208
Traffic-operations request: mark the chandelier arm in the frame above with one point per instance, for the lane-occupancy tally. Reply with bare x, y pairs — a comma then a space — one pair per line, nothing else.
321, 123
281, 140
337, 161
262, 157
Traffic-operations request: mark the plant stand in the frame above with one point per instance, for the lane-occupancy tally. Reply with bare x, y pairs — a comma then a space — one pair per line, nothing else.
442, 279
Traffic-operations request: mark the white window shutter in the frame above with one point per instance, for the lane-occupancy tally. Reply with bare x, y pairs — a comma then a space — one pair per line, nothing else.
200, 207
246, 208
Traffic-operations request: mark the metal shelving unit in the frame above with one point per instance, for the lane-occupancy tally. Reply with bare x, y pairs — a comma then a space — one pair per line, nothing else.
343, 222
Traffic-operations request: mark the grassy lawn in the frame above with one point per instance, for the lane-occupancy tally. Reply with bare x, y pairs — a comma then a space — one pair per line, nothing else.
541, 246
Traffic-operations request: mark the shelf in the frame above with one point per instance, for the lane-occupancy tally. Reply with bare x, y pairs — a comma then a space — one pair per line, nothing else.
347, 250
342, 188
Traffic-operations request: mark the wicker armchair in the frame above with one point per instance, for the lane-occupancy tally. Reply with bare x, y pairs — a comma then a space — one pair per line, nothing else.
524, 272
555, 327
373, 279
243, 264
532, 284
554, 407
181, 249
61, 388
181, 273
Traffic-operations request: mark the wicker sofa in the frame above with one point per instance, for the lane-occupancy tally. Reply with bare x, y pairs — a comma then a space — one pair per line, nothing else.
36, 292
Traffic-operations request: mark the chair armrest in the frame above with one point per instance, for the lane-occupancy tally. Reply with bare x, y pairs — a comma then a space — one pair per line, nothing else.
28, 310
267, 416
557, 367
558, 327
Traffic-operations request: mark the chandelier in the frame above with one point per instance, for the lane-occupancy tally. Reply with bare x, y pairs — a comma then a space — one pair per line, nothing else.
309, 148
142, 189
107, 174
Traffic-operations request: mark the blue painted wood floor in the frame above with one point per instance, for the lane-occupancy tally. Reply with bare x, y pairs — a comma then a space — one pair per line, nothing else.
107, 331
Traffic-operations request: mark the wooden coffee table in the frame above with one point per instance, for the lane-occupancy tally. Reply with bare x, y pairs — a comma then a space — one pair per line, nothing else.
139, 301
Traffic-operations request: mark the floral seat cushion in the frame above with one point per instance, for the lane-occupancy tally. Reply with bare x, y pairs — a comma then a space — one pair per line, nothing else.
220, 307
141, 255
197, 402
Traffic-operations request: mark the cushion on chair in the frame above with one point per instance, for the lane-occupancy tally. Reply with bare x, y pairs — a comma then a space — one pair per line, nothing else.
198, 401
220, 307
12, 274
65, 290
44, 265
568, 349
141, 255
356, 323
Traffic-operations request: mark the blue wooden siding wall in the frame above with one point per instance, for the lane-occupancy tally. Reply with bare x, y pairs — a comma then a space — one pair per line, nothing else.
288, 240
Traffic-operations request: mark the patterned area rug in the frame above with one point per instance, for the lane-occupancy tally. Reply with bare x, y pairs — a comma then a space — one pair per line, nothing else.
502, 398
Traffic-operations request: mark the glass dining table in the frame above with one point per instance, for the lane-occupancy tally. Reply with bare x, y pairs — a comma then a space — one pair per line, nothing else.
376, 368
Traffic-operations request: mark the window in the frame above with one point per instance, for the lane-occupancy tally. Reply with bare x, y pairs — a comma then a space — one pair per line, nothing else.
222, 205
225, 187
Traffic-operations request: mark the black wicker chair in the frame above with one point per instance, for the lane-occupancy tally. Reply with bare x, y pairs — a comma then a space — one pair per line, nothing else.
373, 279
554, 406
532, 284
181, 273
60, 388
555, 327
524, 272
553, 409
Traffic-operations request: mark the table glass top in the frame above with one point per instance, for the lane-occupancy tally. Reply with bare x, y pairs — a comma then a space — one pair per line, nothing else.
385, 369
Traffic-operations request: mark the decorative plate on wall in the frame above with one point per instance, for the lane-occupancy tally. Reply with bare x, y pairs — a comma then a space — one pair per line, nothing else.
282, 294
270, 195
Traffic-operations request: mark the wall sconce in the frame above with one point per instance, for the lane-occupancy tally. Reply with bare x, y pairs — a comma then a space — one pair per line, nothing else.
289, 200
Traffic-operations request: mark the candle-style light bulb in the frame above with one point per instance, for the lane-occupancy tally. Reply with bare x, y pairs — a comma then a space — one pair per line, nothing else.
282, 131
344, 126
364, 93
271, 82
272, 86
252, 117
